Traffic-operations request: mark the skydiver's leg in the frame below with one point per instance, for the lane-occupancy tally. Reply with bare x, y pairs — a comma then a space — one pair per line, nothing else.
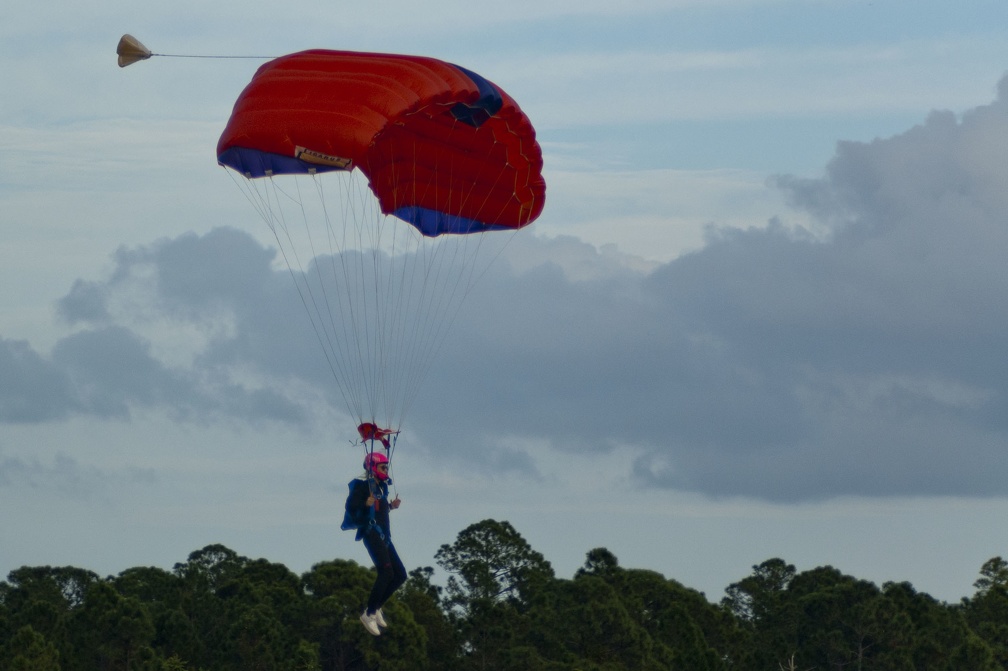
382, 558
398, 574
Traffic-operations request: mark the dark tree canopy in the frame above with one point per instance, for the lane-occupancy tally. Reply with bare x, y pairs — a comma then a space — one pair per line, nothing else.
499, 606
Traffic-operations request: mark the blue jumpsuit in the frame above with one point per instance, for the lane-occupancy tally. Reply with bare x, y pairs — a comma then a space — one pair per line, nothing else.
372, 525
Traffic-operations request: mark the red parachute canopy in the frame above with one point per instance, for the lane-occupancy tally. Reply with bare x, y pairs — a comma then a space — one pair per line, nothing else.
442, 147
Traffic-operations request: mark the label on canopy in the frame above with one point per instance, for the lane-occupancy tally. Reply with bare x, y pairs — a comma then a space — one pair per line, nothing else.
318, 158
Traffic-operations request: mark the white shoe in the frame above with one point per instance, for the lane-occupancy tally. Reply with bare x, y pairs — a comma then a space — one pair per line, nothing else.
370, 623
380, 619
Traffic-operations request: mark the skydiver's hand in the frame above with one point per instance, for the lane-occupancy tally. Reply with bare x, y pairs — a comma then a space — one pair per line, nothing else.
394, 503
370, 501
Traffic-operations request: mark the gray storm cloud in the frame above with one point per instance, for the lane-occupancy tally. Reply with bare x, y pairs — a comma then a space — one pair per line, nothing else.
771, 363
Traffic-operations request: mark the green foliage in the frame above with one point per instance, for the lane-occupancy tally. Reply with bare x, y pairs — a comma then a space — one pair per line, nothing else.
501, 609
993, 576
490, 561
28, 650
987, 612
422, 598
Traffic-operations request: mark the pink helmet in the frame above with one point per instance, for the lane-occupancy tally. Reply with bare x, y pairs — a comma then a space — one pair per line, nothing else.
372, 460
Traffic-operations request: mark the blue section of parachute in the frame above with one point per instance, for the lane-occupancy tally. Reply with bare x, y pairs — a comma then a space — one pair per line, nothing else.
432, 223
254, 163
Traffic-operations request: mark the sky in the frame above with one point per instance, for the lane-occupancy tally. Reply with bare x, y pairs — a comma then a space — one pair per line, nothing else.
761, 315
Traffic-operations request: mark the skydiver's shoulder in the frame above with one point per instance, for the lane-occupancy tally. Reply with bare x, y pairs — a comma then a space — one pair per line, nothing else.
360, 482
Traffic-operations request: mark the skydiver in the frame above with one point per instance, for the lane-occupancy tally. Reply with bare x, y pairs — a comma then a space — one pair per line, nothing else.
367, 511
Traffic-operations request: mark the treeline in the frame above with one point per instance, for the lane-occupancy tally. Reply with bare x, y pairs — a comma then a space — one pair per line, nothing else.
500, 608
